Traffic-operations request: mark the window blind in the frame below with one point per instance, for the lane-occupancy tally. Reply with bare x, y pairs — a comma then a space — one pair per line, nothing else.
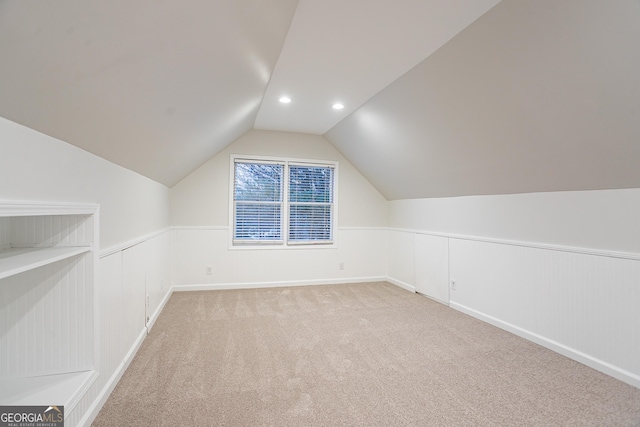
310, 204
283, 202
258, 202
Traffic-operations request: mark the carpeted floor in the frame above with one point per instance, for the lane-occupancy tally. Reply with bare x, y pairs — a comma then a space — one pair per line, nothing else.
368, 354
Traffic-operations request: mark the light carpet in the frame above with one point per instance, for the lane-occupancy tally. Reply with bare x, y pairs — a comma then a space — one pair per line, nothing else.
369, 354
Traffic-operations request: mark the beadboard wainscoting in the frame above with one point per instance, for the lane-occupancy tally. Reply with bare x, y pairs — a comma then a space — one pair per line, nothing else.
126, 275
47, 310
578, 302
202, 259
582, 303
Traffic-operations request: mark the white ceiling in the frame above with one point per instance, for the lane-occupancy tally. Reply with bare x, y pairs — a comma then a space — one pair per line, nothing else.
347, 51
535, 96
442, 97
159, 87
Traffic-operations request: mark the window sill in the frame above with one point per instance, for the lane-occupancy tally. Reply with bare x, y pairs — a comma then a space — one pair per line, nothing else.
270, 247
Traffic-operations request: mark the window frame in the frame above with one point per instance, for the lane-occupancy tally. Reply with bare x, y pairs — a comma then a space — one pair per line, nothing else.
284, 243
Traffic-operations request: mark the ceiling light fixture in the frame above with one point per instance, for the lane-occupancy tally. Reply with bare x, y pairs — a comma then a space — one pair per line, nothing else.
337, 106
285, 99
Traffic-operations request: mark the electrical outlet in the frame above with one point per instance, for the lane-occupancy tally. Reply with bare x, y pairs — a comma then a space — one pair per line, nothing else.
453, 285
341, 266
148, 299
209, 270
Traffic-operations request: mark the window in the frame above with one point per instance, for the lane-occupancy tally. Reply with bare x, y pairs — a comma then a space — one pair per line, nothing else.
283, 202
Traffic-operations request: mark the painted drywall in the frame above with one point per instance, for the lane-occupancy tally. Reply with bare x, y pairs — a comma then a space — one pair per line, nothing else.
536, 95
200, 212
37, 167
599, 219
202, 199
34, 166
156, 87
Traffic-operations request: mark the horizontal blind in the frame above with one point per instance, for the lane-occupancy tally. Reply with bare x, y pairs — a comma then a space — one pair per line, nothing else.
310, 204
258, 202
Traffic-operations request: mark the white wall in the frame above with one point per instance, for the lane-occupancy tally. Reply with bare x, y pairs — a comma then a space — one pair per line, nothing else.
202, 198
568, 277
561, 269
35, 166
605, 219
200, 220
133, 211
535, 95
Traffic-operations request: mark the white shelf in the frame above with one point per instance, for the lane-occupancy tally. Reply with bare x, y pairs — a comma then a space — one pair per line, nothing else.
34, 235
17, 260
61, 389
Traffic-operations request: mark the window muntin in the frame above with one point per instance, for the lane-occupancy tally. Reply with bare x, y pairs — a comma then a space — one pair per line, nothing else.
282, 202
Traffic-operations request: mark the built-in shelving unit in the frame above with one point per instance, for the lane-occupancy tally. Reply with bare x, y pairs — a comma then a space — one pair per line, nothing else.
18, 260
47, 258
47, 389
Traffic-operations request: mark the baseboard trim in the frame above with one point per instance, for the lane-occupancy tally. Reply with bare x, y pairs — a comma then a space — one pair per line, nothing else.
102, 397
401, 284
433, 298
156, 314
597, 364
279, 284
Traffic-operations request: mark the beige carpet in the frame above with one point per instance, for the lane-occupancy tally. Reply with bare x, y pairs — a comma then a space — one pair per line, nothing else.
367, 354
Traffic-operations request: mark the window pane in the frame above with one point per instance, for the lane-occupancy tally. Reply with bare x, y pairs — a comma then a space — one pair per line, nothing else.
310, 222
257, 221
310, 184
258, 201
259, 206
258, 182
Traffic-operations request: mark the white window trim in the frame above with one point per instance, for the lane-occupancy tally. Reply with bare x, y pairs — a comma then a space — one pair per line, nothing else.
285, 244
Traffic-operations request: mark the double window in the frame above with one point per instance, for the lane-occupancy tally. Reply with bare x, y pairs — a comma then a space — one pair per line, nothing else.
283, 202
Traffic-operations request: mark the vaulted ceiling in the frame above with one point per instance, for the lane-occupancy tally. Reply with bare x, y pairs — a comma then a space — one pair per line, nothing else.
441, 97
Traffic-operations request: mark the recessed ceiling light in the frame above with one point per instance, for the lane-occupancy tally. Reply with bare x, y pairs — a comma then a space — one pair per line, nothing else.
337, 106
285, 99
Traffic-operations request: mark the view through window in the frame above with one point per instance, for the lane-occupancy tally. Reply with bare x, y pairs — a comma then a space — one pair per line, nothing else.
283, 202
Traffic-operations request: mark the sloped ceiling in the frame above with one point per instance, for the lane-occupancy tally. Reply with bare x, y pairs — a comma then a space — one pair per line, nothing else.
347, 51
442, 97
539, 95
155, 86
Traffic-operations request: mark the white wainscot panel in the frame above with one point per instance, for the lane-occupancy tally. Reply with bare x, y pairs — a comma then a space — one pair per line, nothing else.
360, 255
401, 258
134, 262
195, 249
124, 276
110, 300
362, 252
584, 306
432, 266
157, 275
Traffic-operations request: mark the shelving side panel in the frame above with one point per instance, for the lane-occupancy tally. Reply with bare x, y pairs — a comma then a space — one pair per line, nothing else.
46, 319
5, 233
51, 230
